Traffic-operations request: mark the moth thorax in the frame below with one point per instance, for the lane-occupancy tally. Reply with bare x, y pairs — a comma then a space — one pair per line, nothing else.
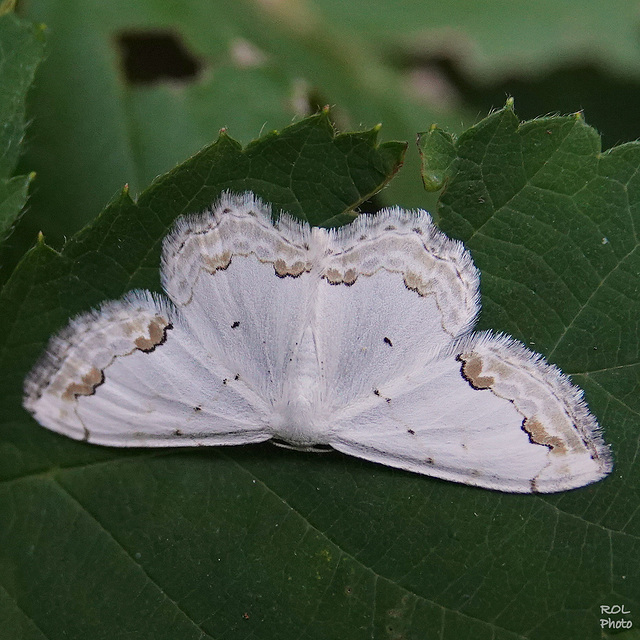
301, 420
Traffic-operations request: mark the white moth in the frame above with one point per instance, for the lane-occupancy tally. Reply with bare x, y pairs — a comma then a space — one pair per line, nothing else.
357, 338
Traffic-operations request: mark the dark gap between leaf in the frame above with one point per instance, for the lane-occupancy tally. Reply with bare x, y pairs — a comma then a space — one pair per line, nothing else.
316, 101
371, 205
610, 103
155, 56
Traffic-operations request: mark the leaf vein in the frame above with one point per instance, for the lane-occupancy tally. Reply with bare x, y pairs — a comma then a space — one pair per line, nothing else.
82, 507
24, 613
366, 567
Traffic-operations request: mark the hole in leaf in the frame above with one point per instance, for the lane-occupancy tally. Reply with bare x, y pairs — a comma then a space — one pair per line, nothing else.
156, 56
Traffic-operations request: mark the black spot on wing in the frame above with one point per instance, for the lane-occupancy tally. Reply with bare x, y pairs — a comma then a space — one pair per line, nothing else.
376, 392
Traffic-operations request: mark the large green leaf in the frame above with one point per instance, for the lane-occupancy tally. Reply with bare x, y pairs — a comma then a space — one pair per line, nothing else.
21, 49
551, 222
267, 543
493, 39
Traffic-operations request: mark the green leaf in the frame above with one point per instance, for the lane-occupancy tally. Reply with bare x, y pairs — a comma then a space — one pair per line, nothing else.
21, 49
551, 222
492, 39
263, 542
13, 195
437, 152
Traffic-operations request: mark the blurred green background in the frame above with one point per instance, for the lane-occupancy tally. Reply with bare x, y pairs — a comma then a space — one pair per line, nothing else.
128, 90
